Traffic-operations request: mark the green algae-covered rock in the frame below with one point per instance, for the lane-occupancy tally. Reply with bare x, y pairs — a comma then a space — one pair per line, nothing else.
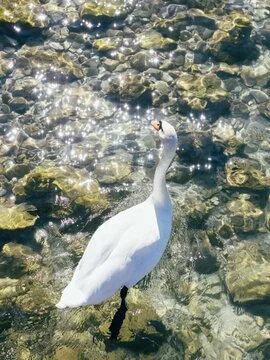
245, 216
106, 8
152, 39
50, 60
142, 60
114, 169
229, 69
66, 353
8, 288
38, 300
194, 208
198, 91
23, 86
226, 135
76, 185
14, 217
246, 173
30, 259
204, 255
107, 43
160, 92
110, 64
231, 42
173, 25
6, 66
248, 271
30, 12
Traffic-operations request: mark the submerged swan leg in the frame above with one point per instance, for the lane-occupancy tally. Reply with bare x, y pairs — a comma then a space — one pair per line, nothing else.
119, 316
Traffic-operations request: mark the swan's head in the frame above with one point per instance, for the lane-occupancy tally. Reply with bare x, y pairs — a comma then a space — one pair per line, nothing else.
165, 130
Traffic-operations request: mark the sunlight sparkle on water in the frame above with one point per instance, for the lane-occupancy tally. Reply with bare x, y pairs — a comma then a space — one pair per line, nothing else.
17, 28
42, 17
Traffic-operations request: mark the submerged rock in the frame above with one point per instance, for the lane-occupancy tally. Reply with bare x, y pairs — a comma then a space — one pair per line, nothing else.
128, 85
108, 43
37, 301
114, 169
22, 87
195, 208
209, 326
160, 92
51, 61
66, 353
236, 334
106, 8
152, 39
245, 216
203, 4
231, 42
226, 135
257, 74
82, 102
140, 325
198, 91
30, 259
143, 60
32, 13
76, 185
174, 24
248, 271
142, 328
20, 104
246, 173
8, 288
264, 109
204, 255
6, 66
14, 217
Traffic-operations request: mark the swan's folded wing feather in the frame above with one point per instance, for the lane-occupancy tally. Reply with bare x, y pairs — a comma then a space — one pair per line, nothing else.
105, 240
129, 261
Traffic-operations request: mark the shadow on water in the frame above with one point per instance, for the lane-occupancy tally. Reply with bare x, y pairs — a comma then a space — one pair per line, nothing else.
142, 342
17, 34
258, 309
22, 236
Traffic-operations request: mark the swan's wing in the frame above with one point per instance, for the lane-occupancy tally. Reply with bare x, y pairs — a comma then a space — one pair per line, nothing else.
116, 256
133, 257
105, 240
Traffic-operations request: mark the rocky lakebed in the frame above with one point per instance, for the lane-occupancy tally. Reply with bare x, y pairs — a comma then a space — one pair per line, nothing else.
81, 81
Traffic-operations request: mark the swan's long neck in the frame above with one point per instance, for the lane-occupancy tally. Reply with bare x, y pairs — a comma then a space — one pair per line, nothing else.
160, 193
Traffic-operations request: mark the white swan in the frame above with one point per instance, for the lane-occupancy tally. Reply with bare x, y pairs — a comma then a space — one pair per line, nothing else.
129, 245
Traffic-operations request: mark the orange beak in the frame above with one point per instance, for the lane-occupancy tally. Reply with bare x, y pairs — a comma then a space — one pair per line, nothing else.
155, 125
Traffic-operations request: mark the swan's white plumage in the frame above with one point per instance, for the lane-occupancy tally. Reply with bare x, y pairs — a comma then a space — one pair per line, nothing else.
128, 246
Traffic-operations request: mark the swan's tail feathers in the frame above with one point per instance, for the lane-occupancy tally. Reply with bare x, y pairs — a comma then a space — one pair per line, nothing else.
71, 297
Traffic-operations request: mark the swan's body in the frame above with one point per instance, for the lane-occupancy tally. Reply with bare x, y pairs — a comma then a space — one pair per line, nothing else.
129, 245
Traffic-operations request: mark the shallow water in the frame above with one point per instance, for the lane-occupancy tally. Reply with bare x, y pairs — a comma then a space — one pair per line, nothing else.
81, 82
